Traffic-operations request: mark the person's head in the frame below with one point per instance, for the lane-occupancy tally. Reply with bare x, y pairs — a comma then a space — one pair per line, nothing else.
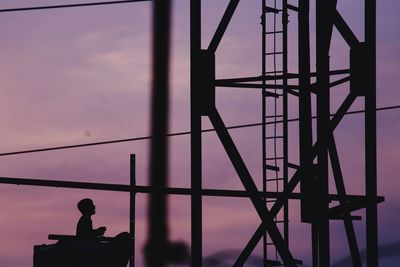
86, 206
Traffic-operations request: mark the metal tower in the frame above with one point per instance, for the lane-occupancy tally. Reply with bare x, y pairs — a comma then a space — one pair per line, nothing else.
318, 206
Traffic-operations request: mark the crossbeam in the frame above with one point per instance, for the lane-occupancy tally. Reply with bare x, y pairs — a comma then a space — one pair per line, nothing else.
143, 189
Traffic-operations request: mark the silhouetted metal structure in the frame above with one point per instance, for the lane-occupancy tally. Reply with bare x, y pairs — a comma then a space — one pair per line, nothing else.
276, 85
312, 169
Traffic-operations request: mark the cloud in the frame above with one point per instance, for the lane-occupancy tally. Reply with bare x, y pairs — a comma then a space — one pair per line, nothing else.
385, 251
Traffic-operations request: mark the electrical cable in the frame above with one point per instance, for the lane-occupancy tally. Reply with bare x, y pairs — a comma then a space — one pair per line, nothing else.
31, 8
168, 135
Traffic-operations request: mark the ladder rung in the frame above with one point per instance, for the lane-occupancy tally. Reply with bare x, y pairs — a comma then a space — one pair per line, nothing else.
269, 94
273, 32
271, 167
274, 137
291, 7
268, 9
274, 53
274, 179
293, 166
274, 72
274, 158
274, 116
274, 122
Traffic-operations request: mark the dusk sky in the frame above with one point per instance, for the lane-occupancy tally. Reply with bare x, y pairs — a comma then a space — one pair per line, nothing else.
83, 75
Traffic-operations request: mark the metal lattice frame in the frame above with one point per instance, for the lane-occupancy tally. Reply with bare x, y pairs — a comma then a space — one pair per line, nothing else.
313, 179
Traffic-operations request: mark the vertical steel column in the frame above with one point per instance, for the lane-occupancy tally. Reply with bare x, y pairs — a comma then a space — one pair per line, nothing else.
305, 123
156, 248
370, 135
263, 113
285, 21
195, 137
323, 26
132, 205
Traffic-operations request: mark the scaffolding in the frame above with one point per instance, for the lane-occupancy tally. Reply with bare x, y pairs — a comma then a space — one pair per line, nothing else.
311, 172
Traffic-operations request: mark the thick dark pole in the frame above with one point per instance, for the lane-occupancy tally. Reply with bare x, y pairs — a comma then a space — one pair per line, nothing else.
370, 135
156, 250
323, 25
305, 122
195, 137
305, 126
132, 205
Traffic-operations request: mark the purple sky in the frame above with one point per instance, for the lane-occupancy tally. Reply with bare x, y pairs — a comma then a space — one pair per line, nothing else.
83, 75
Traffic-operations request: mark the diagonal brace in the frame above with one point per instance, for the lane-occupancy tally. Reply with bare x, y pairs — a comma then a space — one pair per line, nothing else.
344, 30
250, 187
223, 25
348, 224
292, 184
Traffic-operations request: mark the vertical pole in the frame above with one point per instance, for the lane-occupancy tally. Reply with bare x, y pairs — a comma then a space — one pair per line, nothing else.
132, 201
315, 246
195, 137
156, 250
285, 21
263, 114
305, 124
370, 135
323, 26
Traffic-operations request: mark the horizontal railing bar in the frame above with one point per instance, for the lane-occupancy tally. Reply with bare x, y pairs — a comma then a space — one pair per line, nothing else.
169, 190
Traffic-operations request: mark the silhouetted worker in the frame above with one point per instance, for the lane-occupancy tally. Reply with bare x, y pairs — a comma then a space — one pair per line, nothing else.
113, 254
84, 228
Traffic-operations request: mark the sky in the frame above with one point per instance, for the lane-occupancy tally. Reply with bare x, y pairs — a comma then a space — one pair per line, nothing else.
83, 75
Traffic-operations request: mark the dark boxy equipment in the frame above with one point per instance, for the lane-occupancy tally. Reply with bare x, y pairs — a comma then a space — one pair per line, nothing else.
70, 251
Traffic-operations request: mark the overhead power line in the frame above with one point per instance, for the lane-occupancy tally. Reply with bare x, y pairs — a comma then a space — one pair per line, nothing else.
168, 135
32, 8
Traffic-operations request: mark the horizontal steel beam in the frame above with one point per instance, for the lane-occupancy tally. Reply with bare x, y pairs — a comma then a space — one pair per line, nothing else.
255, 85
170, 190
73, 237
278, 77
351, 206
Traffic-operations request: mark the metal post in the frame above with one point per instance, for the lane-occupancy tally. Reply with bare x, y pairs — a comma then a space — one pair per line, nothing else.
132, 205
195, 137
156, 248
370, 135
305, 124
323, 24
285, 21
263, 118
